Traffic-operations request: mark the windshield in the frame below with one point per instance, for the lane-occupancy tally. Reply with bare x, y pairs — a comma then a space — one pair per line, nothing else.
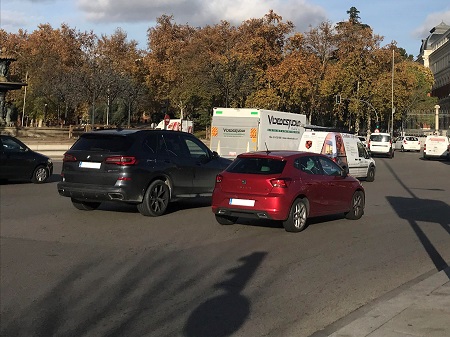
380, 138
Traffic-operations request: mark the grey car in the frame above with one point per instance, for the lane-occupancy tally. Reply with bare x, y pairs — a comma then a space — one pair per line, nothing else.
148, 168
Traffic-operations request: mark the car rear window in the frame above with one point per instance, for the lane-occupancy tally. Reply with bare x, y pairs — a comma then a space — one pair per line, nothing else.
107, 143
412, 139
380, 138
257, 166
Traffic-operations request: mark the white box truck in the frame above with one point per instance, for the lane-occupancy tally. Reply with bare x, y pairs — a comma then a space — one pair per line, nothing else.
235, 131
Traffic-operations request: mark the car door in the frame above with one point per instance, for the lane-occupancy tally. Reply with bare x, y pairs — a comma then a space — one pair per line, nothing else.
362, 163
205, 165
180, 166
336, 187
313, 185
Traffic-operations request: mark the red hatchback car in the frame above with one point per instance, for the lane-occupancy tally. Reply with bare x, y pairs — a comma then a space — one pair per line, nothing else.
290, 186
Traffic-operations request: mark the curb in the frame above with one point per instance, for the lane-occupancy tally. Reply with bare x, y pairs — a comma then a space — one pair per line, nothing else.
389, 318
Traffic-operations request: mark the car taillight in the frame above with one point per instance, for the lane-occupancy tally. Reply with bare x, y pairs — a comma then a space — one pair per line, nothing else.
121, 160
69, 158
279, 183
404, 141
219, 178
424, 146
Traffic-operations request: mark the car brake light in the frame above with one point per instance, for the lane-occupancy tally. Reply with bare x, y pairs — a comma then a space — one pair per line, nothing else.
121, 160
69, 158
404, 141
279, 183
219, 178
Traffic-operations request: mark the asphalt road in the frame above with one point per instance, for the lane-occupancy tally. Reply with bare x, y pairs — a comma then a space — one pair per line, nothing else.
114, 272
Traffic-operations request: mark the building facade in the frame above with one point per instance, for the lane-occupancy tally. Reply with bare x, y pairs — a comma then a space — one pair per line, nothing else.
435, 55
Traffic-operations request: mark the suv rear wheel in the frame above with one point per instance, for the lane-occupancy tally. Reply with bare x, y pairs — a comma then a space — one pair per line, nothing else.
156, 199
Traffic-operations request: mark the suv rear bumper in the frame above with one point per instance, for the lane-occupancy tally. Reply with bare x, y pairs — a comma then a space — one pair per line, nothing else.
98, 193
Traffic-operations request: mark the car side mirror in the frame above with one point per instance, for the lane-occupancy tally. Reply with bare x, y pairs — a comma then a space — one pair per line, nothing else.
215, 154
345, 171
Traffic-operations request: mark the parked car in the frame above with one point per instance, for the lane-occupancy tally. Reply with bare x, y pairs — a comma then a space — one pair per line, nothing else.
436, 147
381, 144
407, 143
290, 186
148, 168
19, 162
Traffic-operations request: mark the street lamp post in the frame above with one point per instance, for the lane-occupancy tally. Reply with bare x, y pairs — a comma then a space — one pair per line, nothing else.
45, 113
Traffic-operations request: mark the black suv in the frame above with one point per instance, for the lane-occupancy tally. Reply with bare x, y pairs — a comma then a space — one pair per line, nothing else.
148, 168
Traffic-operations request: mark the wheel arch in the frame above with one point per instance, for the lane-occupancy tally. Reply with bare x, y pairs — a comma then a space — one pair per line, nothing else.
159, 176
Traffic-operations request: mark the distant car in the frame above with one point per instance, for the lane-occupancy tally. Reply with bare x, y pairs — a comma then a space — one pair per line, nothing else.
290, 186
148, 168
381, 144
19, 162
407, 143
437, 147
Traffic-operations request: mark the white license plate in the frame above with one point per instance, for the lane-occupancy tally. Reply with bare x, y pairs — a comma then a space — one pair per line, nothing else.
88, 164
242, 202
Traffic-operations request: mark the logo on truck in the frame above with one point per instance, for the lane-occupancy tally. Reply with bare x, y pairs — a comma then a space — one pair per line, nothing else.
284, 121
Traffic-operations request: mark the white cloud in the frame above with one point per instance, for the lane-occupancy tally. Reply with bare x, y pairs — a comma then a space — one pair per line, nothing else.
11, 19
431, 21
201, 12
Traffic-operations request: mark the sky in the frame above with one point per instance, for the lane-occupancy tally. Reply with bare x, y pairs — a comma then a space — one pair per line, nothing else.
405, 21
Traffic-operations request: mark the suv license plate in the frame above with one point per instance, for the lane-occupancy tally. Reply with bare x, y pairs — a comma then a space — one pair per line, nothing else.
88, 164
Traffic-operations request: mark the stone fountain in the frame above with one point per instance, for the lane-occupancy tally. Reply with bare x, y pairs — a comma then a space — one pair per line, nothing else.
5, 86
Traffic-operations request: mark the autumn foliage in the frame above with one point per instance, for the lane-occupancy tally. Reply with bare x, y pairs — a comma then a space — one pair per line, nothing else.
186, 71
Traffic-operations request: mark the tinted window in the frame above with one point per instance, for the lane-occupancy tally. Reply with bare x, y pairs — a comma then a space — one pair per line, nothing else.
108, 143
412, 139
175, 145
380, 138
196, 150
361, 150
9, 145
329, 167
257, 166
308, 165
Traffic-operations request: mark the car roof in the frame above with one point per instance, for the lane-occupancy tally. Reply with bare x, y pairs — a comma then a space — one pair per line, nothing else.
125, 132
276, 154
380, 133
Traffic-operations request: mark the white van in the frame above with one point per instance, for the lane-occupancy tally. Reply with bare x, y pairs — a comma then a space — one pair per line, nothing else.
343, 148
436, 147
381, 144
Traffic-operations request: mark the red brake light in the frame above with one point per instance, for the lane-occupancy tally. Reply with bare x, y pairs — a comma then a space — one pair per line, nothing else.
69, 158
121, 160
219, 178
279, 183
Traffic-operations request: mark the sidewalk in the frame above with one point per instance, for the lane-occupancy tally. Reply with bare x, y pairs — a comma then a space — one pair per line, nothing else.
422, 310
